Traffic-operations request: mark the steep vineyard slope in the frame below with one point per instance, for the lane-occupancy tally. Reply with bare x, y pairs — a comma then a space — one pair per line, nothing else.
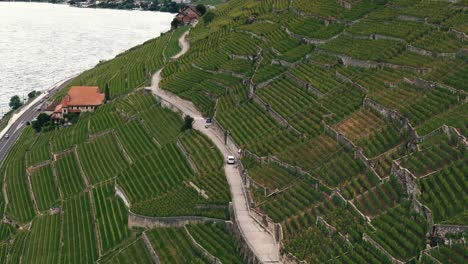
348, 117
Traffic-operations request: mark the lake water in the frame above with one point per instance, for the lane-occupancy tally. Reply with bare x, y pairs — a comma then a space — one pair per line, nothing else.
41, 44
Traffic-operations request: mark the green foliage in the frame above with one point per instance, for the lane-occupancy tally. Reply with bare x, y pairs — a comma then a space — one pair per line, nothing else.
156, 173
70, 179
15, 102
33, 94
208, 17
44, 188
401, 232
101, 159
172, 245
43, 120
43, 243
201, 9
78, 231
188, 121
20, 206
443, 192
135, 252
217, 239
111, 216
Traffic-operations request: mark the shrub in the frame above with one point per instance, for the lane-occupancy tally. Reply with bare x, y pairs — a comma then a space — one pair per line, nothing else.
188, 121
208, 17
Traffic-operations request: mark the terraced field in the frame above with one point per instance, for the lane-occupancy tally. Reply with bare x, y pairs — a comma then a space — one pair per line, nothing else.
334, 105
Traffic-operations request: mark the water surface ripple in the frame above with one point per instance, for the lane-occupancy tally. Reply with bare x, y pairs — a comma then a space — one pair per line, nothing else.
41, 44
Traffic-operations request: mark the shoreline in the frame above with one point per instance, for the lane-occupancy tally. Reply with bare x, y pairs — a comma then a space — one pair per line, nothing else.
17, 114
96, 7
8, 112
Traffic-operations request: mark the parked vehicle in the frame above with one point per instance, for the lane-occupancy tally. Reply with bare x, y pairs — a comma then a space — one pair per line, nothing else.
208, 123
231, 160
6, 135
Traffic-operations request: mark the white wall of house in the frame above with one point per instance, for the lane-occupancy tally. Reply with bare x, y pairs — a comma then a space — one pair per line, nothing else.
81, 108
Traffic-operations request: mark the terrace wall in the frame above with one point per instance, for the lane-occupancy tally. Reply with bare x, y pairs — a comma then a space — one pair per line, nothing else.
150, 248
121, 193
187, 156
244, 247
367, 238
429, 53
270, 111
449, 131
443, 230
135, 220
349, 61
205, 252
424, 211
395, 117
306, 85
405, 178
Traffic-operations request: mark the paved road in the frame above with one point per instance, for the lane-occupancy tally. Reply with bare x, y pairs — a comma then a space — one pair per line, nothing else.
18, 125
262, 242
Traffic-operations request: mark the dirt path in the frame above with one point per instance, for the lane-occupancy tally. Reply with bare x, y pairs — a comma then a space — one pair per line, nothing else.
183, 44
262, 242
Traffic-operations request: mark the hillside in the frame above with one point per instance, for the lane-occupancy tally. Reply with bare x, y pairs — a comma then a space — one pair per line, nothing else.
350, 118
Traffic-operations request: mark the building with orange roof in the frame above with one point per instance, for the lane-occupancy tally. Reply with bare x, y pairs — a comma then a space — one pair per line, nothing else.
79, 99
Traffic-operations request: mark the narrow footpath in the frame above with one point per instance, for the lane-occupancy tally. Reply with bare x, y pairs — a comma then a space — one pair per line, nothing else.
260, 241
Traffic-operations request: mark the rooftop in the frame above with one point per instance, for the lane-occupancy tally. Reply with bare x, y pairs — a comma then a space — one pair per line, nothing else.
83, 96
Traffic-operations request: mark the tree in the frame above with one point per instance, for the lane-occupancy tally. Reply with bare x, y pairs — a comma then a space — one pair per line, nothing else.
15, 102
188, 121
175, 23
107, 93
33, 94
208, 17
201, 9
42, 119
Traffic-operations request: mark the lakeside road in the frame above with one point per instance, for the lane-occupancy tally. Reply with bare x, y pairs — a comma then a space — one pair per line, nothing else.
15, 129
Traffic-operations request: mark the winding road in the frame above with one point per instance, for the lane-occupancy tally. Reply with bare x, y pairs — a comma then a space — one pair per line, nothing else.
260, 241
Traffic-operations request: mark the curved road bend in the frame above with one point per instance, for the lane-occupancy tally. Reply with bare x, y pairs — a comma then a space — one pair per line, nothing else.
262, 242
16, 128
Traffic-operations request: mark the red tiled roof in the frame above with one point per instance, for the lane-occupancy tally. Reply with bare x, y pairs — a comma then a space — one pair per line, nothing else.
58, 108
83, 96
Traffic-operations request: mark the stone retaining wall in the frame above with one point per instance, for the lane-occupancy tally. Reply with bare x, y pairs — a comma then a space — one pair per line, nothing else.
442, 230
306, 85
424, 211
135, 220
346, 79
205, 252
245, 248
150, 248
405, 178
429, 53
367, 238
229, 140
340, 138
187, 156
270, 111
349, 61
411, 18
268, 82
121, 193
